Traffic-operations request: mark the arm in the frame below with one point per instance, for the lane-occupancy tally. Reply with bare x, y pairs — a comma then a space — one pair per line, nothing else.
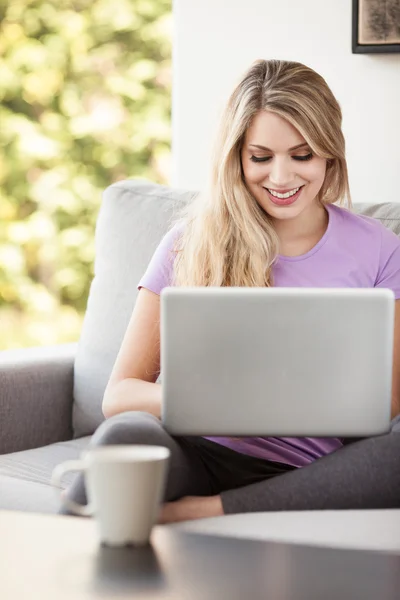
396, 363
132, 381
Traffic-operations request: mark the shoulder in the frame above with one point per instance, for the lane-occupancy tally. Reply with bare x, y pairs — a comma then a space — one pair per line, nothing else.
172, 236
160, 269
357, 222
165, 251
376, 247
363, 231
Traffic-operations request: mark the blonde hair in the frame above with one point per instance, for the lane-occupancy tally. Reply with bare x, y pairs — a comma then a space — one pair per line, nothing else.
228, 240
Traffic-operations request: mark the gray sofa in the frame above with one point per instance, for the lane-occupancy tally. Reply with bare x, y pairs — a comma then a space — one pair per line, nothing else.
50, 398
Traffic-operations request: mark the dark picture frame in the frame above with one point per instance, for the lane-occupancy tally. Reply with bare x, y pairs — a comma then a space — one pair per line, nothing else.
374, 22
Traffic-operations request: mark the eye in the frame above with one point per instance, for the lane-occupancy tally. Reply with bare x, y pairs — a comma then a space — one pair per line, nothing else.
257, 160
305, 157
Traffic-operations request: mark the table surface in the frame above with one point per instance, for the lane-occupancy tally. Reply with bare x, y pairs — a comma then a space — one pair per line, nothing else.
377, 529
55, 557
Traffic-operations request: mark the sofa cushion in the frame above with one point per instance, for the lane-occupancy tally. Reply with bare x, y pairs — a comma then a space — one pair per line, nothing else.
25, 476
133, 218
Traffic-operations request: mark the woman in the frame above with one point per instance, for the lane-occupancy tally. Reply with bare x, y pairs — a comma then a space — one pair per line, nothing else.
267, 219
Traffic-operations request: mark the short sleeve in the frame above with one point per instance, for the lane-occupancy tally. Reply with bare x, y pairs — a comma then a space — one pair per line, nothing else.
158, 274
389, 263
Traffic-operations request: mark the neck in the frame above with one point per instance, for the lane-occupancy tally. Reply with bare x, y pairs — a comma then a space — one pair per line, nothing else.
308, 224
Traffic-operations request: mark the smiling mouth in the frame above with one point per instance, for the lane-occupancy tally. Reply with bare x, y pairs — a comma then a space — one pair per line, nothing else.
284, 196
284, 199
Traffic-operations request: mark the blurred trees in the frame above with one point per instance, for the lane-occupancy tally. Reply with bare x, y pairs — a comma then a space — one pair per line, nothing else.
84, 102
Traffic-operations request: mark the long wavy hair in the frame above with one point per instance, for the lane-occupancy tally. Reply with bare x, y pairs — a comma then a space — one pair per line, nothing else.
227, 238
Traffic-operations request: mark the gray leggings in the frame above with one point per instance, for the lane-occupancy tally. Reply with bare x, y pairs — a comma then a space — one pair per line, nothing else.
363, 474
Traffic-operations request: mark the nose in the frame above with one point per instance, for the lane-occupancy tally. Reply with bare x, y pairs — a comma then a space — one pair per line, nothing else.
281, 172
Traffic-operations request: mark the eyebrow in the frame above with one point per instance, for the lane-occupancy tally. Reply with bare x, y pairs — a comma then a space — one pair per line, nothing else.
302, 145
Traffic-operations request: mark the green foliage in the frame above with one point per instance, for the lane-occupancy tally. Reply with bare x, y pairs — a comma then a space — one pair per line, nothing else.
84, 102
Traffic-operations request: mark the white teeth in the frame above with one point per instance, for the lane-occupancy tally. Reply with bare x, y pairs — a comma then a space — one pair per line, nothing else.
282, 196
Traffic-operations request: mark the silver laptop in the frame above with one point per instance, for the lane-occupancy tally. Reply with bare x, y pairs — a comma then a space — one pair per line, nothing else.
276, 361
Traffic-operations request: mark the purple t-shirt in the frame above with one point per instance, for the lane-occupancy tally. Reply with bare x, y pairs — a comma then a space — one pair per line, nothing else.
355, 251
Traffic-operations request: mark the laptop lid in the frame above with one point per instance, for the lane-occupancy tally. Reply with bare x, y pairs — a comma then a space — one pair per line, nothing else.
276, 361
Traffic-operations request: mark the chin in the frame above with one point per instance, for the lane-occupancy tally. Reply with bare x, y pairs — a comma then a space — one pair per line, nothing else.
281, 213
284, 215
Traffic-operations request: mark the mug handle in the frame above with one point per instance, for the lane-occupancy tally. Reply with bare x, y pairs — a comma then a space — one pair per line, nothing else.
59, 471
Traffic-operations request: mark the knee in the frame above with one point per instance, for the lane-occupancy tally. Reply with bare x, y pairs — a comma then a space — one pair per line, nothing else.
128, 428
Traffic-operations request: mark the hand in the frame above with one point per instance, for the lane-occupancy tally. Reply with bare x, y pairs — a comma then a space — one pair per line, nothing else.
190, 508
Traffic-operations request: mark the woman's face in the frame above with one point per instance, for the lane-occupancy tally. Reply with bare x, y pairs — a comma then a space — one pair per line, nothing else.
279, 168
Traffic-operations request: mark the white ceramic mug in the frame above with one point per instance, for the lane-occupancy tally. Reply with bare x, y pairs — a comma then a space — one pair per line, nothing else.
125, 486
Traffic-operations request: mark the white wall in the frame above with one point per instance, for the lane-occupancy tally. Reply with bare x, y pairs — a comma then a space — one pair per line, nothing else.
216, 40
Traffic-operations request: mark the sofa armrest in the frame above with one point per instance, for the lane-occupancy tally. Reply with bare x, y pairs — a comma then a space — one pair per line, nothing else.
36, 395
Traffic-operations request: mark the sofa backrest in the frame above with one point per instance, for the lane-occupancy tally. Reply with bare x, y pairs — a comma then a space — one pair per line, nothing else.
133, 218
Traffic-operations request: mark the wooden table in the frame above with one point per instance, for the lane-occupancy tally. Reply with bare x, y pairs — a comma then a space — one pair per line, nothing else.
50, 557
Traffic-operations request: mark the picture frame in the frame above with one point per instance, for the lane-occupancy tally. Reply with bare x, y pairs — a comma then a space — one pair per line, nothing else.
375, 26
